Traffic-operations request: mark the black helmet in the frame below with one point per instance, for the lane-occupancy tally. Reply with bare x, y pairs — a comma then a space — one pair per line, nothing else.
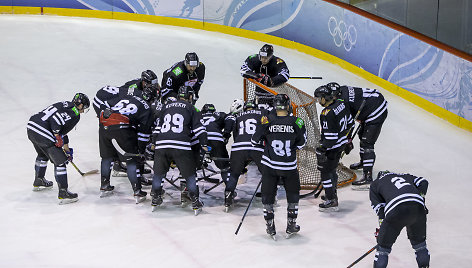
81, 98
151, 92
208, 108
382, 173
266, 51
149, 77
191, 59
249, 104
185, 92
324, 92
281, 102
334, 87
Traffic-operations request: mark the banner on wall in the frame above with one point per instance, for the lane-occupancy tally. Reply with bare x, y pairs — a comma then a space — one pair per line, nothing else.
418, 67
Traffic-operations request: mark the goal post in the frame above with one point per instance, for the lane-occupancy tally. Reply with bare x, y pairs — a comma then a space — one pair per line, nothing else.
303, 106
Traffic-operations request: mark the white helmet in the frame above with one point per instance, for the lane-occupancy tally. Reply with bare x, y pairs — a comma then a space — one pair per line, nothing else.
237, 106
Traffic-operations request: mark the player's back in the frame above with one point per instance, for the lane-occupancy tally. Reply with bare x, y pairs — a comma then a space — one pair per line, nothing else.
354, 96
244, 127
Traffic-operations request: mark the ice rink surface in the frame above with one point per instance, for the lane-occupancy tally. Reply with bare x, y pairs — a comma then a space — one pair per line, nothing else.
47, 59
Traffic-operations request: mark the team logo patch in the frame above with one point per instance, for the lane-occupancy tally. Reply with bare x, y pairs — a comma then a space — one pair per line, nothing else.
177, 71
264, 120
75, 110
300, 122
325, 111
280, 61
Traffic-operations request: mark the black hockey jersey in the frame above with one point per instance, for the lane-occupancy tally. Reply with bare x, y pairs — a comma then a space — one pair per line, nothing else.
283, 136
178, 75
375, 103
176, 125
244, 127
131, 88
214, 123
276, 68
392, 189
335, 121
59, 118
137, 110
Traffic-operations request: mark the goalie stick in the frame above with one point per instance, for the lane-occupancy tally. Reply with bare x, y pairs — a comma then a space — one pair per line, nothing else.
363, 256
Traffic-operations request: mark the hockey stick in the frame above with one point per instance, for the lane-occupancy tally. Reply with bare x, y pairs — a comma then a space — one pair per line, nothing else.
363, 256
250, 202
93, 171
306, 77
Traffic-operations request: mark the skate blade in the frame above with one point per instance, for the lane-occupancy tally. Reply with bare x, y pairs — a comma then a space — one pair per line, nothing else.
273, 237
227, 209
40, 188
139, 199
68, 201
154, 208
197, 211
361, 187
288, 235
119, 174
331, 209
105, 193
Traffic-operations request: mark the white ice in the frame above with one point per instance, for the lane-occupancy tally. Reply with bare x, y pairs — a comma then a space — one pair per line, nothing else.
47, 59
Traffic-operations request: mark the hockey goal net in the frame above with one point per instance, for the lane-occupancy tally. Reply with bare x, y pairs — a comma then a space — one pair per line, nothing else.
304, 106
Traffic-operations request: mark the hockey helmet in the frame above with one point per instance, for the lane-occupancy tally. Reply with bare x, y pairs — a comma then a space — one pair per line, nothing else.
149, 77
170, 99
185, 92
282, 102
208, 108
266, 51
237, 106
81, 98
191, 59
334, 87
249, 104
324, 92
150, 93
382, 173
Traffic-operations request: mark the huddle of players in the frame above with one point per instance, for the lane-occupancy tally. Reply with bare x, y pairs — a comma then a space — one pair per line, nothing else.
128, 113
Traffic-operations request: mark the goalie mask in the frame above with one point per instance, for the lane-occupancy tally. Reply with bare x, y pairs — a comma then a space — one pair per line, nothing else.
236, 106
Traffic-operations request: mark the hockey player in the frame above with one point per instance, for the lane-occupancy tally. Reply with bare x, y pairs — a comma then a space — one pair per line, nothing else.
214, 123
47, 130
282, 135
372, 108
398, 201
178, 121
335, 121
242, 151
189, 72
125, 127
236, 107
267, 69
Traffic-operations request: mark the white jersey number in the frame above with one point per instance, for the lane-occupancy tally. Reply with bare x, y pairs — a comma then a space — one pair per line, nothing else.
248, 126
399, 182
111, 90
173, 122
280, 148
125, 108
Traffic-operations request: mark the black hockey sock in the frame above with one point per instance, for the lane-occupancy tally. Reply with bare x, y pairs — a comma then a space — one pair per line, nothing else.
157, 181
131, 171
268, 212
231, 183
422, 254
192, 184
105, 167
40, 167
60, 173
292, 212
381, 257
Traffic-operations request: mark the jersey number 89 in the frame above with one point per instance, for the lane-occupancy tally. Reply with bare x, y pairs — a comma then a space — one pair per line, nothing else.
177, 120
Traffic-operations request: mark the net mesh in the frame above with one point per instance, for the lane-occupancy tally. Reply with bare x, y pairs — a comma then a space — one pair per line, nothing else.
304, 106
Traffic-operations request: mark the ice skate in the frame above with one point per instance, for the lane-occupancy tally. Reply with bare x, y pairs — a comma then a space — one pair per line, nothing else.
145, 181
270, 229
197, 204
41, 184
106, 189
364, 183
356, 166
157, 199
66, 197
292, 228
139, 196
229, 200
330, 205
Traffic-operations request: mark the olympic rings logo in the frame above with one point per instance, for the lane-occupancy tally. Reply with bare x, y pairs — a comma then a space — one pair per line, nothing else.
342, 34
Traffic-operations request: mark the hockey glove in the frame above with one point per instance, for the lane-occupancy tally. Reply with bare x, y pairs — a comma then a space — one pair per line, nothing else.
107, 113
226, 137
376, 232
205, 153
59, 141
349, 147
70, 154
149, 152
265, 80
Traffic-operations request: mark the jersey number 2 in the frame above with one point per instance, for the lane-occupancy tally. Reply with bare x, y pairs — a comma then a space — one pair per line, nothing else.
399, 182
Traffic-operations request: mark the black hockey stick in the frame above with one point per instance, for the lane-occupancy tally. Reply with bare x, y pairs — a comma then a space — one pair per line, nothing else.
363, 256
250, 202
306, 77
